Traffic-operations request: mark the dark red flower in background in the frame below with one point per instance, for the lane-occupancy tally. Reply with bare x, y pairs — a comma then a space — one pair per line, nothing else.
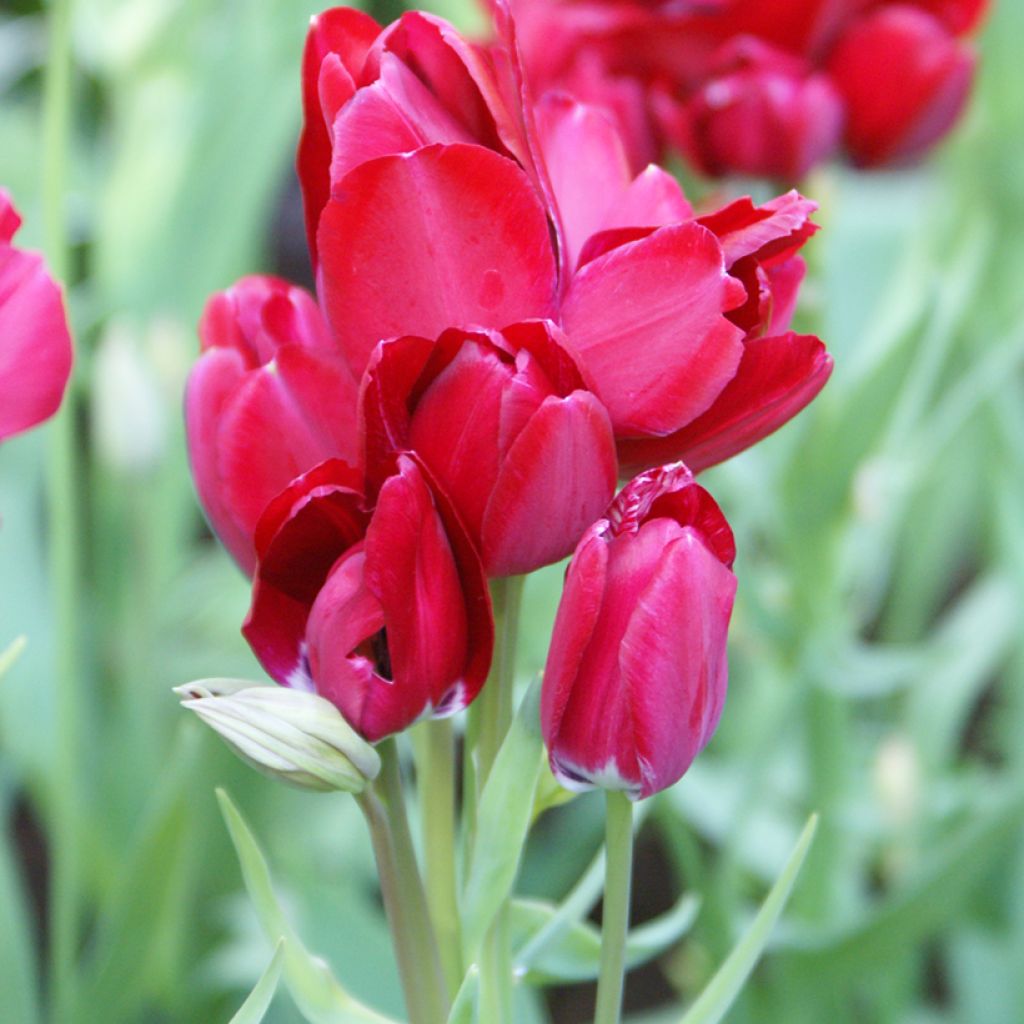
768, 88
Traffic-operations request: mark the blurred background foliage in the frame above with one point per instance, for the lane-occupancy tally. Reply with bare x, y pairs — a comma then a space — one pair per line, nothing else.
877, 652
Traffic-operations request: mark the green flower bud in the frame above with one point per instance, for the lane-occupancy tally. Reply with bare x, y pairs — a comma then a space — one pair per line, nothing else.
291, 735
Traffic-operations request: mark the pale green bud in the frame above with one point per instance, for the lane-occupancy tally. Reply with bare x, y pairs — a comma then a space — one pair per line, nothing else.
291, 735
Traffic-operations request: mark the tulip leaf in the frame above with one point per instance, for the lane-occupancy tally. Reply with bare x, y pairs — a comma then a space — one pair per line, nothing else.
575, 954
10, 656
316, 992
503, 820
466, 1008
720, 993
256, 1004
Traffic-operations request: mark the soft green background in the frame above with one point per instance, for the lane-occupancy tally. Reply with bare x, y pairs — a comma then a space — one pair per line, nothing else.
877, 659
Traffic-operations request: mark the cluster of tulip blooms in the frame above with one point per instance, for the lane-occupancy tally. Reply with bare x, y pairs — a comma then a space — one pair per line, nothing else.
508, 318
767, 88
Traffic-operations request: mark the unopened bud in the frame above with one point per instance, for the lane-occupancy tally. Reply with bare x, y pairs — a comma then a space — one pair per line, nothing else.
291, 735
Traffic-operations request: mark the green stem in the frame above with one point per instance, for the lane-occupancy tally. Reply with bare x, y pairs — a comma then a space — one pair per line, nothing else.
495, 710
435, 759
497, 700
387, 872
615, 908
417, 940
64, 511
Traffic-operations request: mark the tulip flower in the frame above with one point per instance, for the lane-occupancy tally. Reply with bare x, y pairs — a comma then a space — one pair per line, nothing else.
505, 424
384, 614
904, 79
636, 671
760, 112
270, 398
35, 343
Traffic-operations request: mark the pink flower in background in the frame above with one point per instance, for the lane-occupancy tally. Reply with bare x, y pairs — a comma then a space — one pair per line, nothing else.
35, 343
636, 672
384, 613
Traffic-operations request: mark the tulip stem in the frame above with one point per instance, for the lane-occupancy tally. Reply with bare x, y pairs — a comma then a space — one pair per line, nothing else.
615, 908
434, 744
64, 514
411, 928
497, 702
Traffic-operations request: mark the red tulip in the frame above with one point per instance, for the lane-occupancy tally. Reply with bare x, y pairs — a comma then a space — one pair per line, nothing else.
904, 79
762, 112
505, 425
35, 343
269, 399
636, 672
385, 614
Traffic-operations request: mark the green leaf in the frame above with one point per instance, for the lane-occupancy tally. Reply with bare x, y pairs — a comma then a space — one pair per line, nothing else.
575, 954
10, 656
503, 820
466, 1008
253, 1010
315, 990
718, 995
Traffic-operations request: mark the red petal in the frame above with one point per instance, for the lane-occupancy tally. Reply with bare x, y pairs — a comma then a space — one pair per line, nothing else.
776, 378
646, 322
770, 232
349, 34
557, 478
448, 236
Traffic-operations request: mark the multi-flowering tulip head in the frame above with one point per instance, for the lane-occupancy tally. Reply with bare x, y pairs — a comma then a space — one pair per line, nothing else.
636, 672
504, 423
269, 399
35, 343
385, 613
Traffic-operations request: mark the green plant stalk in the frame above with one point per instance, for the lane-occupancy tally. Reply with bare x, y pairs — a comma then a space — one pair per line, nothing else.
435, 761
412, 930
64, 554
615, 908
496, 710
497, 703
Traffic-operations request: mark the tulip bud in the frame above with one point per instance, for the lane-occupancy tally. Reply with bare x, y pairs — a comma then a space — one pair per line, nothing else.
636, 672
291, 735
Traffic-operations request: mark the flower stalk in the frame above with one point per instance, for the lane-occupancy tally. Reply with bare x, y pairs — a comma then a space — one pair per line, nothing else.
615, 909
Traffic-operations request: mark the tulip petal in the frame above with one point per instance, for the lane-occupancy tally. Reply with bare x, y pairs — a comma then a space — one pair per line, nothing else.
396, 114
301, 535
556, 479
776, 378
578, 612
653, 199
646, 322
270, 432
673, 659
771, 232
412, 571
586, 164
348, 34
35, 343
447, 236
213, 382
